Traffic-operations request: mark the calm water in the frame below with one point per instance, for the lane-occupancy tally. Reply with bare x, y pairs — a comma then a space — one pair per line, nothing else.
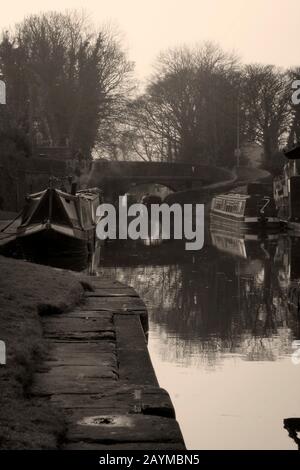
222, 323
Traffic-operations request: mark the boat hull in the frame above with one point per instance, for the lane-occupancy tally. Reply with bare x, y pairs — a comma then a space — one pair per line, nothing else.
51, 240
86, 236
55, 249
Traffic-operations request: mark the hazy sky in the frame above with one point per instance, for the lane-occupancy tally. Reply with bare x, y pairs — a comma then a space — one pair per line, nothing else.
259, 30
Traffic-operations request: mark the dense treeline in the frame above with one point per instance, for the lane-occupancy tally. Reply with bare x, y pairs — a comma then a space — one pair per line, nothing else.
71, 85
201, 103
65, 81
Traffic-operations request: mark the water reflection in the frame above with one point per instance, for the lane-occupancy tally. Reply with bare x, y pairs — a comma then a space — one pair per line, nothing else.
235, 302
231, 304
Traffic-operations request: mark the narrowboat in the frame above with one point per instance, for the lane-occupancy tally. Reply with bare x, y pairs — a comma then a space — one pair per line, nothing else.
287, 191
54, 220
253, 211
241, 245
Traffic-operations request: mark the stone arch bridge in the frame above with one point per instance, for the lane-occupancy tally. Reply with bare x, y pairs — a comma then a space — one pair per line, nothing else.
117, 177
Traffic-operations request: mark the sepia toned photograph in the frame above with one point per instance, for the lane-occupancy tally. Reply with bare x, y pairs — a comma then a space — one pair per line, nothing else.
149, 230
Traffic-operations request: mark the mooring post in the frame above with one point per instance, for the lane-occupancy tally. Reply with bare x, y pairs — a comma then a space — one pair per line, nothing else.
2, 92
2, 353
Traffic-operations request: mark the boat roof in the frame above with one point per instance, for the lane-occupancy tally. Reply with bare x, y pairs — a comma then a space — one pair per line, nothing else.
90, 194
36, 195
233, 196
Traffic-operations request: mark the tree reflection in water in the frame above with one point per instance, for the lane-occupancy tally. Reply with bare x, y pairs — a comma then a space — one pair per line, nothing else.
212, 302
232, 308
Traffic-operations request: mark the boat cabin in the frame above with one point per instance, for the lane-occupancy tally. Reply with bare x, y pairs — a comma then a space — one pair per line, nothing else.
244, 211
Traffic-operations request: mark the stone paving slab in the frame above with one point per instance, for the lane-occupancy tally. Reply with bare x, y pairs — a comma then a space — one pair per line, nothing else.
113, 292
145, 400
51, 383
87, 314
82, 328
84, 336
114, 429
100, 283
68, 325
118, 303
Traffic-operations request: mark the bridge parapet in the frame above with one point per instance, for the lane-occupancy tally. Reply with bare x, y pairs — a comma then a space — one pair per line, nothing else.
156, 172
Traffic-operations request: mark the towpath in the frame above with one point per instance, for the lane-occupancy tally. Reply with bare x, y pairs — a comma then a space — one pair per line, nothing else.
100, 375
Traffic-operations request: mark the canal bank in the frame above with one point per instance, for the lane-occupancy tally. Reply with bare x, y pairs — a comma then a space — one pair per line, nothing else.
78, 372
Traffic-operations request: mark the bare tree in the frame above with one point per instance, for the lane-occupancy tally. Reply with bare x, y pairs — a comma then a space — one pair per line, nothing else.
73, 77
267, 105
294, 134
189, 109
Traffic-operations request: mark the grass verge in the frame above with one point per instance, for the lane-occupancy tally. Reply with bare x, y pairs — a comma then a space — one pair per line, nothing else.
26, 291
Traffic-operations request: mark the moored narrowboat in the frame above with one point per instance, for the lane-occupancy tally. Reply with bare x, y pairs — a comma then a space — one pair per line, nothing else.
56, 220
244, 212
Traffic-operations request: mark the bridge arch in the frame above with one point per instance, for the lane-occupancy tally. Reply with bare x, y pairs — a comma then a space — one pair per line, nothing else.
152, 185
116, 177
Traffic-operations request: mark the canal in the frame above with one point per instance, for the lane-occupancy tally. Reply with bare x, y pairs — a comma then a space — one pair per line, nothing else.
222, 325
